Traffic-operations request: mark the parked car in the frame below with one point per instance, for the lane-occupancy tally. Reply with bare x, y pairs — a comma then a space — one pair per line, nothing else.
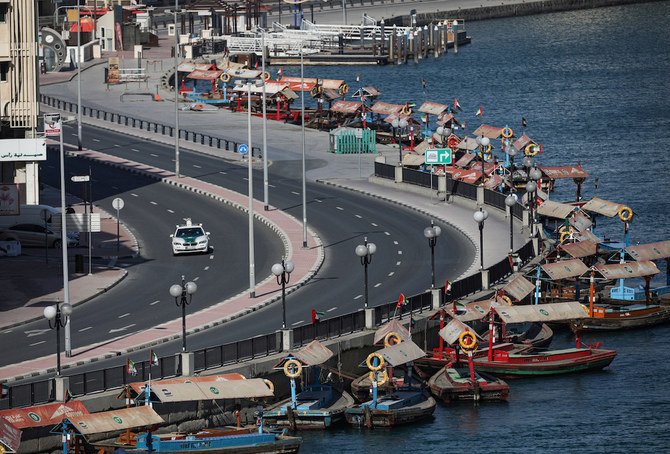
189, 237
35, 235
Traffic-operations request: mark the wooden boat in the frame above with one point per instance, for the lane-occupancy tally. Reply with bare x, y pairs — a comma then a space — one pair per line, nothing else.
402, 406
451, 384
360, 387
505, 364
226, 440
318, 407
611, 318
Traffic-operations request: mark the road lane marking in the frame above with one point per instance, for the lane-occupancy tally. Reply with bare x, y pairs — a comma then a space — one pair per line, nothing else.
387, 234
36, 332
196, 278
272, 186
170, 211
153, 203
115, 187
295, 193
358, 297
340, 208
391, 273
155, 302
358, 216
197, 166
37, 343
85, 329
124, 315
207, 267
397, 263
319, 200
96, 140
135, 149
374, 225
297, 323
399, 252
378, 284
154, 155
331, 309
223, 173
211, 257
395, 242
134, 195
116, 330
117, 145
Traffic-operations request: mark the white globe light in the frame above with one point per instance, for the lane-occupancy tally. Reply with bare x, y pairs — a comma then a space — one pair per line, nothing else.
485, 141
440, 130
437, 230
372, 248
191, 288
478, 216
531, 186
50, 312
486, 214
510, 200
428, 232
289, 266
175, 290
394, 123
277, 269
66, 309
402, 123
361, 250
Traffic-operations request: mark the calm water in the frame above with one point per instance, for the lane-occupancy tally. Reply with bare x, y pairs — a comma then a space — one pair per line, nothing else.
594, 87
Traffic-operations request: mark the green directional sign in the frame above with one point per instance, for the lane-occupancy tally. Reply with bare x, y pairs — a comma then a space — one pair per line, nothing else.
438, 156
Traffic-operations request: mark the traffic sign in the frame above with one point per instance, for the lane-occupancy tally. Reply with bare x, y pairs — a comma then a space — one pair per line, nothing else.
243, 148
80, 178
118, 203
438, 156
52, 125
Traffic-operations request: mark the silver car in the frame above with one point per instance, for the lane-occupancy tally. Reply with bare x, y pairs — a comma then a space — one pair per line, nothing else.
34, 235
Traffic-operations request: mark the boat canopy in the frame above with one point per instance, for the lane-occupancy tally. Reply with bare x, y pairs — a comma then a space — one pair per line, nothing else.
465, 159
558, 210
493, 182
401, 353
346, 107
449, 118
651, 251
384, 108
580, 249
433, 108
466, 175
564, 269
43, 415
204, 75
553, 312
587, 235
313, 354
604, 207
626, 270
522, 142
580, 222
233, 389
188, 67
394, 326
492, 132
136, 388
467, 143
453, 329
562, 172
413, 159
10, 436
244, 73
366, 92
271, 89
518, 287
469, 312
111, 421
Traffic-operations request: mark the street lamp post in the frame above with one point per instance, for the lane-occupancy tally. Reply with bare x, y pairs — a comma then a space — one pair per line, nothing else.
431, 233
78, 76
511, 152
282, 272
531, 187
483, 143
60, 315
510, 201
398, 124
481, 216
179, 291
365, 251
266, 184
302, 127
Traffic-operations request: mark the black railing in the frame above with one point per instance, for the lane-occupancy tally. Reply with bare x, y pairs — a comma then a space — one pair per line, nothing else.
384, 170
329, 328
500, 270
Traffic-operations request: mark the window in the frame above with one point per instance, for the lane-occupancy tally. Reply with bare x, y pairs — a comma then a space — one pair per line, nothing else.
3, 12
4, 70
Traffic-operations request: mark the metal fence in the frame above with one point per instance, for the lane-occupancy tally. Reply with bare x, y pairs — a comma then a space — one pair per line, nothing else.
329, 328
233, 352
384, 170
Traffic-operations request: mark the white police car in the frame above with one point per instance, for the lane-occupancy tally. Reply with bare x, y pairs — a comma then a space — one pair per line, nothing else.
189, 238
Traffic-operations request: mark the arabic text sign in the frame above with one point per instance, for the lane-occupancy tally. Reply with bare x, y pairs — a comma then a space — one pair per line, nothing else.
438, 156
23, 150
78, 222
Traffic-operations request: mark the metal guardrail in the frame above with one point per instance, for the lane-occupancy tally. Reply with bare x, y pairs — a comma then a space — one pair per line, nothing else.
116, 377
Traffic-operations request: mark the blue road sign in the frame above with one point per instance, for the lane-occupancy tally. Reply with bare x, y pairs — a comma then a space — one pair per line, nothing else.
243, 148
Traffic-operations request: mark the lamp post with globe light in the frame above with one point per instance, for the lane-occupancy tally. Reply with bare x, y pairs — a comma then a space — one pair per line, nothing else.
480, 216
282, 272
432, 233
398, 124
57, 316
365, 251
483, 143
179, 292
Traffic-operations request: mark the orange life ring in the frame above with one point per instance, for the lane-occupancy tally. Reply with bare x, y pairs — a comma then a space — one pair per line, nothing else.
287, 368
507, 132
392, 336
381, 378
266, 75
506, 299
406, 110
467, 341
225, 78
344, 88
531, 149
625, 214
565, 235
371, 366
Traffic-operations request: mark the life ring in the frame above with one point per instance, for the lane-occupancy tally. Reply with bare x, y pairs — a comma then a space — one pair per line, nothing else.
344, 88
565, 228
369, 363
296, 372
625, 214
266, 75
467, 341
406, 110
586, 309
565, 235
392, 336
453, 142
315, 91
506, 299
507, 132
225, 78
488, 149
269, 384
531, 149
382, 377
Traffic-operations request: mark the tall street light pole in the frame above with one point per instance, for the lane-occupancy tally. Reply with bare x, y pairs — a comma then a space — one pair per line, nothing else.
365, 251
250, 176
179, 292
78, 76
431, 233
399, 124
282, 272
266, 184
483, 143
510, 201
176, 92
481, 216
304, 170
59, 314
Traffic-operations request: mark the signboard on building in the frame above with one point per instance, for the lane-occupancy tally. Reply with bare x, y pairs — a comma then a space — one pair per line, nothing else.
9, 200
52, 125
23, 150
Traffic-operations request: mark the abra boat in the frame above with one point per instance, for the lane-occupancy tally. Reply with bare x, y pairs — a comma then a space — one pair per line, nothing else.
451, 384
317, 406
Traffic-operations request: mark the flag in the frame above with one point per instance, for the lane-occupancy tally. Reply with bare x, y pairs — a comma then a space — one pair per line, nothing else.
5, 390
279, 74
401, 300
423, 84
447, 286
480, 112
316, 316
131, 367
523, 122
154, 358
358, 78
68, 396
457, 106
256, 65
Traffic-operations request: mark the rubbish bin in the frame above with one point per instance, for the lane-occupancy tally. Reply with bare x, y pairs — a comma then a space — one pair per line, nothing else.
79, 264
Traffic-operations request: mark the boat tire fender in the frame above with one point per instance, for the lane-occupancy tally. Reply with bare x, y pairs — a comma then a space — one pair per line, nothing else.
370, 364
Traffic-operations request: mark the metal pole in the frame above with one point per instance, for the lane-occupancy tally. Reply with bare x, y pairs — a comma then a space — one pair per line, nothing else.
57, 339
481, 244
78, 83
266, 183
511, 231
63, 232
432, 262
90, 213
183, 316
176, 92
118, 236
304, 177
283, 297
365, 263
344, 12
252, 275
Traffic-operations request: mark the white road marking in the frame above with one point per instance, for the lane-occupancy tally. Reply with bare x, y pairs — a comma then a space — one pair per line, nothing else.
133, 194
340, 208
399, 252
271, 185
116, 330
153, 203
374, 225
117, 145
211, 257
292, 324
85, 329
358, 297
358, 216
135, 149
387, 234
155, 302
206, 268
36, 332
124, 315
391, 273
397, 263
154, 155
319, 200
7, 331
196, 278
37, 343
395, 242
331, 309
75, 135
96, 140
115, 187
245, 179
170, 211
295, 193
197, 166
223, 173
378, 284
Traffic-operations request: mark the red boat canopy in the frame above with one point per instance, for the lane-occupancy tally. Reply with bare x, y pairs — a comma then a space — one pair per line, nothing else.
43, 415
204, 75
10, 437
